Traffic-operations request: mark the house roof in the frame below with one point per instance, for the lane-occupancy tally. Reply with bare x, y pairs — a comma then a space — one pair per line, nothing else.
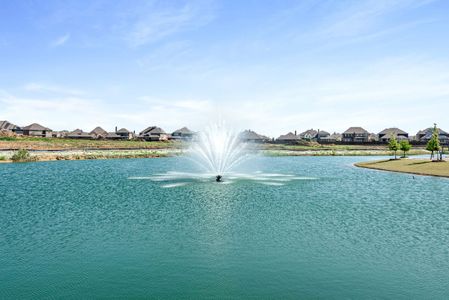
323, 133
112, 135
310, 132
356, 130
99, 131
183, 130
123, 130
5, 125
36, 127
393, 130
152, 130
76, 131
288, 137
430, 130
252, 135
79, 133
334, 136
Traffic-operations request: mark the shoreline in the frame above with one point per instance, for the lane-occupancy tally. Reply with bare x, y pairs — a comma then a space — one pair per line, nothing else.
52, 155
50, 149
41, 155
412, 166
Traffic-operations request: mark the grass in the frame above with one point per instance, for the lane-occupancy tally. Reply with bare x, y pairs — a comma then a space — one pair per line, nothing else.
336, 152
413, 166
95, 154
37, 143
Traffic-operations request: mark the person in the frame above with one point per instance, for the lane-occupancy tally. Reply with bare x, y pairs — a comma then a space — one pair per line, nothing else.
218, 178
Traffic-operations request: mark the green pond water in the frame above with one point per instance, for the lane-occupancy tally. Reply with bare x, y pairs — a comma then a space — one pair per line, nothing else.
289, 227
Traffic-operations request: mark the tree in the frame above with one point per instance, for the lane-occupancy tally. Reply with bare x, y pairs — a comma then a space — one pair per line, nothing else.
405, 146
393, 145
434, 143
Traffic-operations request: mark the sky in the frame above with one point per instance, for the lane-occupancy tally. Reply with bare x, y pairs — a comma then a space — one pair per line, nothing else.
270, 66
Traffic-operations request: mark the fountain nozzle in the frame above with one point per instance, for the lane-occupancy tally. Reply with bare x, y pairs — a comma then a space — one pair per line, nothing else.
218, 178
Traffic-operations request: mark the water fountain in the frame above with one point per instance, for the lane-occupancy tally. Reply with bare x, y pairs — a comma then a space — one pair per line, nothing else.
218, 149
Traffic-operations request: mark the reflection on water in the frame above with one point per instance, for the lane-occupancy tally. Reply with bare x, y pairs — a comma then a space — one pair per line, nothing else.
178, 179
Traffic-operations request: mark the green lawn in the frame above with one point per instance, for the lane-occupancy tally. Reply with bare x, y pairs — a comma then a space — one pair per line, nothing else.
414, 166
34, 143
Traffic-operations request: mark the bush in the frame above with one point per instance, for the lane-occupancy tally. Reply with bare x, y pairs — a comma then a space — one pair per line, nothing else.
2, 157
21, 155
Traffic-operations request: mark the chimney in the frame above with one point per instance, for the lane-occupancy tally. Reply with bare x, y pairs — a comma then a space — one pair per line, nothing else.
295, 132
115, 129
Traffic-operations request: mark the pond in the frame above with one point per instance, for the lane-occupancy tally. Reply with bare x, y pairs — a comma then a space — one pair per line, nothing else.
318, 227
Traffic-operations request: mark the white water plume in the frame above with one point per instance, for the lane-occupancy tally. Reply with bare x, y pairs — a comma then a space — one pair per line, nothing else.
218, 149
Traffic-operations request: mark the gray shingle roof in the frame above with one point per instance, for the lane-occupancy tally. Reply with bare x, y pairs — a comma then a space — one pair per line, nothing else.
430, 130
79, 133
311, 132
323, 133
36, 127
99, 131
113, 135
152, 130
393, 130
123, 130
5, 125
288, 137
183, 130
252, 135
357, 130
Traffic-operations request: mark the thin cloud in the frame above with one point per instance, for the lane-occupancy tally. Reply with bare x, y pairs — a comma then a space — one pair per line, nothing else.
155, 25
60, 40
45, 88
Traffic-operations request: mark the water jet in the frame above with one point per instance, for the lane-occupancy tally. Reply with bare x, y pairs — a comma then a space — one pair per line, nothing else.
218, 149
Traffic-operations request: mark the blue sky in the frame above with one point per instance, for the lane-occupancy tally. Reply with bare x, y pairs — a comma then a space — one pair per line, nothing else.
272, 66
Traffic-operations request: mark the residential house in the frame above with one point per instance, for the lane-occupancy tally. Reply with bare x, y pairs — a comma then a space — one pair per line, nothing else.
183, 133
124, 133
332, 138
308, 135
113, 136
423, 136
60, 134
79, 134
36, 130
289, 138
321, 134
355, 135
9, 128
313, 135
153, 133
99, 133
373, 138
253, 137
386, 134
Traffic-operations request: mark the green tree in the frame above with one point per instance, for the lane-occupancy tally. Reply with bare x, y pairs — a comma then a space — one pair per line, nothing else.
434, 143
405, 146
393, 145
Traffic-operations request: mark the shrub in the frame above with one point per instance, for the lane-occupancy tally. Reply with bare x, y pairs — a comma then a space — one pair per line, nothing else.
2, 157
21, 155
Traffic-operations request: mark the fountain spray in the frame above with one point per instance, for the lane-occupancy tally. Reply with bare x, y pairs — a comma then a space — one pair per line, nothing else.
218, 149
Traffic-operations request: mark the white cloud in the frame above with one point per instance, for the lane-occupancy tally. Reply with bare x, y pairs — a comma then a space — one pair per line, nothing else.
155, 23
45, 88
60, 40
